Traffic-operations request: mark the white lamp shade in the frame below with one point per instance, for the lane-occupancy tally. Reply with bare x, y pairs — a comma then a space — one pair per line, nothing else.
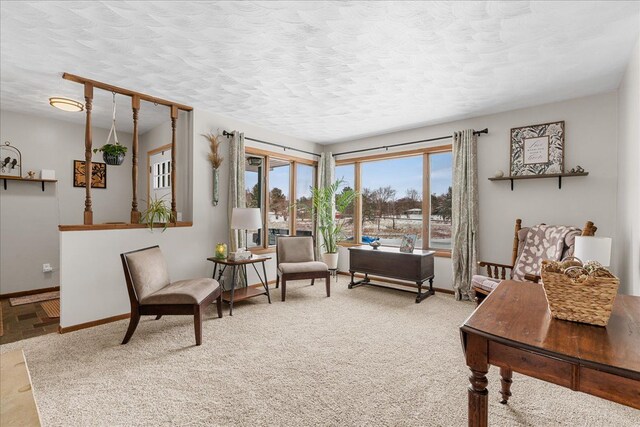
590, 248
246, 219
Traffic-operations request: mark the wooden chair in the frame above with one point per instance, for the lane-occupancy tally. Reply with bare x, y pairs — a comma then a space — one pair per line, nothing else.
296, 260
152, 293
483, 285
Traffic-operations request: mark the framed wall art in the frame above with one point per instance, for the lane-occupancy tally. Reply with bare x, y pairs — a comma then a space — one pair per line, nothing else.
408, 243
537, 149
98, 174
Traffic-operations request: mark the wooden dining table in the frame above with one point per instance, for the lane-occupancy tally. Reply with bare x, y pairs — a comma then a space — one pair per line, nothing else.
513, 330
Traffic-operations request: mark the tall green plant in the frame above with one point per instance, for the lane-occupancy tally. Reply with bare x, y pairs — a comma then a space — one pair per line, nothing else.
329, 227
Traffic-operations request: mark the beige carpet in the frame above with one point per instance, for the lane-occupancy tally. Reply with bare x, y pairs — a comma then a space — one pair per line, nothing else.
366, 356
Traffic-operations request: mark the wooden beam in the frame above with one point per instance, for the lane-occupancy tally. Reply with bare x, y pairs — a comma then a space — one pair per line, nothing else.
88, 101
122, 91
135, 214
174, 120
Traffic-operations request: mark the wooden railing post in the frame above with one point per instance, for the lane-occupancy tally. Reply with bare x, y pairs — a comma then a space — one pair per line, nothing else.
135, 214
88, 100
174, 120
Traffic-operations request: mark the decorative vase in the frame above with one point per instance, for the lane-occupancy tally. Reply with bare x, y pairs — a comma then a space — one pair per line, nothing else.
221, 250
113, 159
498, 174
216, 192
331, 260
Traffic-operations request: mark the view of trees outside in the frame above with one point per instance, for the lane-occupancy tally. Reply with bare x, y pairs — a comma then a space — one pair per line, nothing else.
392, 200
347, 174
253, 191
305, 179
440, 181
279, 201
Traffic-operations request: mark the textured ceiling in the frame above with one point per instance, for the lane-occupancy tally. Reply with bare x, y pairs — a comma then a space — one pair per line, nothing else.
319, 71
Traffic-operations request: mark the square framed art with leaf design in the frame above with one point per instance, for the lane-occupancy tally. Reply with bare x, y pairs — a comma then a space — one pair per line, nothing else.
98, 174
537, 149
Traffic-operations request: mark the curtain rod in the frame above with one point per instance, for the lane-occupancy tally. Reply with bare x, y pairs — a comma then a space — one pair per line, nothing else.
386, 147
284, 147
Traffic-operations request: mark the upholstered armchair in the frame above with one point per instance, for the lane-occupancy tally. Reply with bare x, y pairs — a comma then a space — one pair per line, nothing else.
527, 267
152, 293
296, 260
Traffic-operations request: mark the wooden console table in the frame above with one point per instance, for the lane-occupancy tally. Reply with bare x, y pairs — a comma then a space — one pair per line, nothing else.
389, 262
514, 330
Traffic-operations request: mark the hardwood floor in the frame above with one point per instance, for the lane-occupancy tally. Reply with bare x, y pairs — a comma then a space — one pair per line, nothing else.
25, 321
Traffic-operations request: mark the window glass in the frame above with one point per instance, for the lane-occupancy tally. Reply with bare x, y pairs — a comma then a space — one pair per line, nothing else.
346, 173
279, 202
253, 182
392, 200
440, 180
305, 180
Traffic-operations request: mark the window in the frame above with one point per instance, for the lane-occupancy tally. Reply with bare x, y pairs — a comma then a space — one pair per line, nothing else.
279, 202
346, 173
305, 180
254, 185
161, 175
440, 181
271, 182
392, 200
402, 194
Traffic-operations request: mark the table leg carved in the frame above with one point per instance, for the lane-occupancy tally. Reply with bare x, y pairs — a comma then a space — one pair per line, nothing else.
505, 381
478, 362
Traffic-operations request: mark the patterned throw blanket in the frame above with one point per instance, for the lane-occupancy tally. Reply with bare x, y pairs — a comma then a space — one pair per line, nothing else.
542, 242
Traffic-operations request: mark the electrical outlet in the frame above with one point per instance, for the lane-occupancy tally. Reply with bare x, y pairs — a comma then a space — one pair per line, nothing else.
46, 268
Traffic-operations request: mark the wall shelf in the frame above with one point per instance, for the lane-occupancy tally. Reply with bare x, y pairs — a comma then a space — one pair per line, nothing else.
17, 178
555, 175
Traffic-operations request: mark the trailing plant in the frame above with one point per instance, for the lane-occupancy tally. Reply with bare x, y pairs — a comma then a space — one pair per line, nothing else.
157, 212
330, 227
112, 149
214, 156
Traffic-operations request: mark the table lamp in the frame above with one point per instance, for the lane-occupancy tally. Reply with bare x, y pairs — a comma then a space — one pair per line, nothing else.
246, 219
590, 248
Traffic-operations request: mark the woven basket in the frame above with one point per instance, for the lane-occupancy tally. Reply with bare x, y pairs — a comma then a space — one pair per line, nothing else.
578, 295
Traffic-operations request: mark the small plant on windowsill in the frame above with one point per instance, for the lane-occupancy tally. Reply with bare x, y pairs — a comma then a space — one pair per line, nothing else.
157, 212
113, 154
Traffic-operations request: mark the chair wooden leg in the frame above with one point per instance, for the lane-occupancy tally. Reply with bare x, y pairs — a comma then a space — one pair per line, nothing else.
158, 316
219, 305
327, 281
133, 324
197, 323
284, 289
313, 281
277, 281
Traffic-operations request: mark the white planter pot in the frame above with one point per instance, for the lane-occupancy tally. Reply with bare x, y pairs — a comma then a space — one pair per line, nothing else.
331, 260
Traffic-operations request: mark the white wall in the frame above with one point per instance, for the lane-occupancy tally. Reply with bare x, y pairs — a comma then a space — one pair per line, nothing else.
591, 135
627, 238
95, 254
30, 217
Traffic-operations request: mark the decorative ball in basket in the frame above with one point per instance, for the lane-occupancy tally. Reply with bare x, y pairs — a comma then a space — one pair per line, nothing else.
579, 292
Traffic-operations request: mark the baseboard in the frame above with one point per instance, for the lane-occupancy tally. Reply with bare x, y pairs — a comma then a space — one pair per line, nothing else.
93, 323
396, 282
30, 292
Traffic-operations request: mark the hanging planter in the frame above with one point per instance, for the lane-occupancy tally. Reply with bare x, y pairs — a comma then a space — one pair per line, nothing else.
113, 154
216, 160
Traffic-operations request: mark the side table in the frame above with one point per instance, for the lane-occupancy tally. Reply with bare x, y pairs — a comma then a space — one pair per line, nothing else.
240, 267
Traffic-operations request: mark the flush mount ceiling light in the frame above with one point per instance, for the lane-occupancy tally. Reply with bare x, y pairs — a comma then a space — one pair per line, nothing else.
66, 104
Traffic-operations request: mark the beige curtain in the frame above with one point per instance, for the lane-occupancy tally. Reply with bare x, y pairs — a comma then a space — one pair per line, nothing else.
464, 233
326, 172
236, 186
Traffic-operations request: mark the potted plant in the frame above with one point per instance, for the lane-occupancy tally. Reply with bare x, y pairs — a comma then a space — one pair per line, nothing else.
216, 161
330, 227
113, 154
157, 212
